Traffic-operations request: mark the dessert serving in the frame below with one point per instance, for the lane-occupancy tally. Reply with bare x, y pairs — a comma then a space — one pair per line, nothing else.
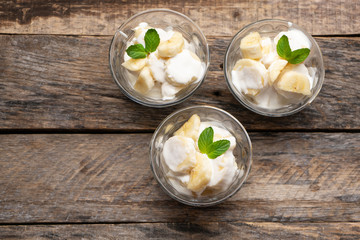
271, 70
158, 57
276, 68
161, 62
200, 155
199, 158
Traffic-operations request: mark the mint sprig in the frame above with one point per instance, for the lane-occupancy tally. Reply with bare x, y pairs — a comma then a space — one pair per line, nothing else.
210, 148
152, 41
294, 57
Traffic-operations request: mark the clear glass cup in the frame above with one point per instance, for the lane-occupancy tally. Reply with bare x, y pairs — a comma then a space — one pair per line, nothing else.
270, 28
166, 129
157, 18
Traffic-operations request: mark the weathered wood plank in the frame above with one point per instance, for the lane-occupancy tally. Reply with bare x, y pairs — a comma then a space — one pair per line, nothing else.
222, 230
106, 178
61, 82
215, 17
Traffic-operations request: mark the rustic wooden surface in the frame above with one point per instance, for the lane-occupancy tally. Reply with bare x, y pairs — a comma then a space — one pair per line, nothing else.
215, 17
74, 150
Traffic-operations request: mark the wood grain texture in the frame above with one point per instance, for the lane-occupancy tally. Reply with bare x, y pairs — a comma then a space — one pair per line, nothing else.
222, 230
296, 177
62, 82
215, 17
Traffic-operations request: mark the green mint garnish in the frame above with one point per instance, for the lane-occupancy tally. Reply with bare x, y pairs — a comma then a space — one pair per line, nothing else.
293, 57
152, 41
207, 146
136, 51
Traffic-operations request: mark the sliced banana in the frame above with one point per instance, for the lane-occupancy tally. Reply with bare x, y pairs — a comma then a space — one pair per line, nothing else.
179, 154
294, 82
145, 81
172, 46
134, 64
249, 76
275, 68
157, 67
201, 174
190, 128
250, 46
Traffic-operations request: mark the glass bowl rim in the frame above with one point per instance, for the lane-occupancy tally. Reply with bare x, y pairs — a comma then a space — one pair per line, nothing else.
171, 103
273, 114
153, 159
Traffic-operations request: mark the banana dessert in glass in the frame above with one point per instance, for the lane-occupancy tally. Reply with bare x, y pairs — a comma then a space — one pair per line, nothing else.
271, 71
273, 67
159, 57
198, 159
161, 62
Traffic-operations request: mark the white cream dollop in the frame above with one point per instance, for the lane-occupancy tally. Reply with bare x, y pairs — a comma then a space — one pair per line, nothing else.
183, 68
169, 91
297, 39
179, 153
250, 75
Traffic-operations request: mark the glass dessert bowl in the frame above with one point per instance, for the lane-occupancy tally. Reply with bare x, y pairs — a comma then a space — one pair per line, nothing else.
267, 83
153, 74
192, 172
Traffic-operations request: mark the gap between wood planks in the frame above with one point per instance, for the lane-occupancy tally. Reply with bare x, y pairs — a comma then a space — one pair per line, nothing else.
136, 131
156, 222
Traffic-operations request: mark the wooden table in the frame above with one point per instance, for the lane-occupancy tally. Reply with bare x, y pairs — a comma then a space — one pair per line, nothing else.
74, 158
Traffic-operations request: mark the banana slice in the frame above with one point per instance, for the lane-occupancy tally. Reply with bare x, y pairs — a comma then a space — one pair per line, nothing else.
275, 69
183, 69
294, 82
172, 46
179, 154
157, 67
190, 128
249, 76
145, 81
250, 46
200, 175
134, 64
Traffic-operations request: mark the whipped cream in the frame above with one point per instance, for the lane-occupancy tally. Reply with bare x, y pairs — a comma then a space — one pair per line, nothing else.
170, 73
297, 39
266, 81
181, 159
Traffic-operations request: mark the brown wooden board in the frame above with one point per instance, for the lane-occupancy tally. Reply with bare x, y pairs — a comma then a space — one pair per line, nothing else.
216, 18
64, 82
196, 230
83, 178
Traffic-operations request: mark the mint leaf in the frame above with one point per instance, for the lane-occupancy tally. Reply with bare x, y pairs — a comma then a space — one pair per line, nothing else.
298, 56
294, 57
207, 146
283, 47
136, 51
205, 139
217, 148
152, 40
